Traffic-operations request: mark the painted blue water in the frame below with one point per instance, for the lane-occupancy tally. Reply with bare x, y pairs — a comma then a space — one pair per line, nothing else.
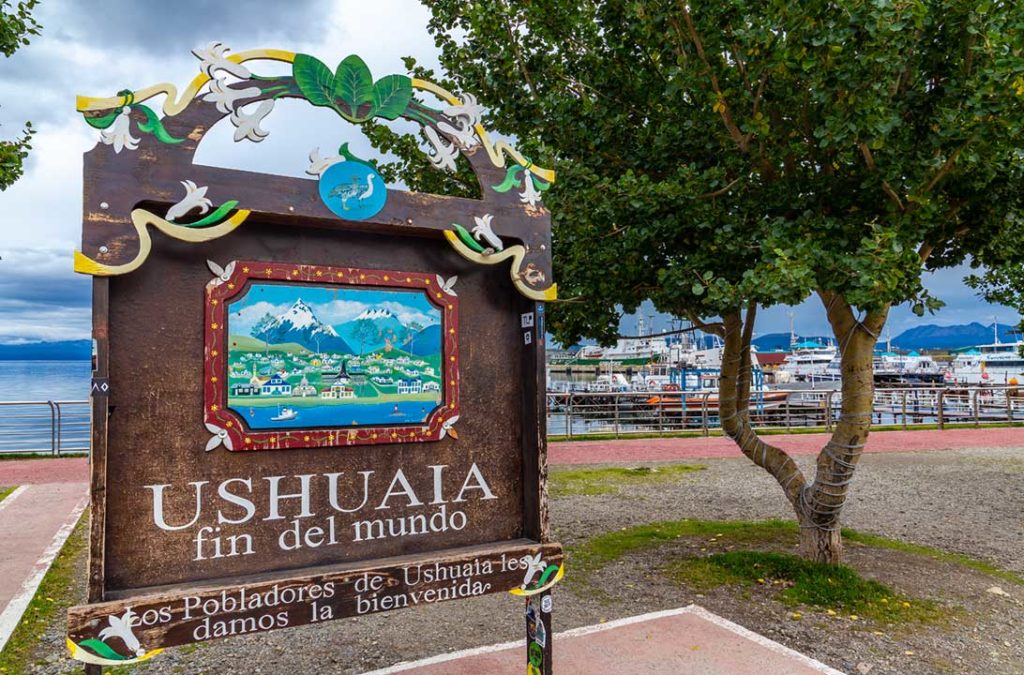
363, 414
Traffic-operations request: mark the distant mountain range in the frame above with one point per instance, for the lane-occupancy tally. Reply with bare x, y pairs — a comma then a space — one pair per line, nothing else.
65, 350
929, 336
952, 337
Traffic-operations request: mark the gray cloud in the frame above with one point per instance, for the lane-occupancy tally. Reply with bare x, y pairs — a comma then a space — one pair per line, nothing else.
162, 27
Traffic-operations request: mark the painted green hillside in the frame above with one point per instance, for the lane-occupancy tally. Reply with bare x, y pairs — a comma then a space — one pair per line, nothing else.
243, 343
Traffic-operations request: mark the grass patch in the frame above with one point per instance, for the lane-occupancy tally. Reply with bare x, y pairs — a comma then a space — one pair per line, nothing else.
54, 596
564, 482
4, 491
934, 553
830, 587
598, 551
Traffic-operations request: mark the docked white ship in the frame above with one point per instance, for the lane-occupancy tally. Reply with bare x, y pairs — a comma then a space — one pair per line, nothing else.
809, 362
996, 363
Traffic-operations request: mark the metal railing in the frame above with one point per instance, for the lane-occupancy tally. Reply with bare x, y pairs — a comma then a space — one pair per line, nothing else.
581, 414
45, 427
63, 427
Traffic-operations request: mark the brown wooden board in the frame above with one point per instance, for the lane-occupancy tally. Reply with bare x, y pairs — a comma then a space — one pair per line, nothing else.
177, 616
181, 513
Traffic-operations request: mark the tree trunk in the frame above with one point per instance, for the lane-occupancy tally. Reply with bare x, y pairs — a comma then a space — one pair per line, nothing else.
824, 546
817, 504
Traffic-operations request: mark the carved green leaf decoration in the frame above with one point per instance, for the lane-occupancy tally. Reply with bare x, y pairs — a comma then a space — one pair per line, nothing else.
103, 649
154, 126
350, 90
314, 79
103, 122
391, 96
353, 89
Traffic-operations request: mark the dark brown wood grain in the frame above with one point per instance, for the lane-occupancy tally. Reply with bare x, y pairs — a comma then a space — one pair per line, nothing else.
356, 589
157, 434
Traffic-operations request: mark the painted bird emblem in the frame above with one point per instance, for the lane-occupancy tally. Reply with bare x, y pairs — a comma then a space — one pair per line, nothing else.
354, 190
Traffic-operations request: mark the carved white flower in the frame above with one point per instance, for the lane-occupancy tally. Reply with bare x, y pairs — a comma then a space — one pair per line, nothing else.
448, 427
221, 274
483, 232
464, 134
248, 126
447, 285
468, 109
119, 134
227, 98
318, 164
533, 565
121, 627
530, 194
220, 437
195, 198
214, 58
444, 153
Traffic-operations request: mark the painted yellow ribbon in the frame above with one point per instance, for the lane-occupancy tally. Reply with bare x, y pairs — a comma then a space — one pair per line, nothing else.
142, 218
171, 106
79, 654
551, 582
516, 253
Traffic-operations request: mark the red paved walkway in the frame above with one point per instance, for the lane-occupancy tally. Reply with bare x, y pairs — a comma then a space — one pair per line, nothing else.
690, 640
664, 449
43, 470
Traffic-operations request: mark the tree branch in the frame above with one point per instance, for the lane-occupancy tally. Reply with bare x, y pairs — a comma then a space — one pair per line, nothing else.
741, 139
869, 159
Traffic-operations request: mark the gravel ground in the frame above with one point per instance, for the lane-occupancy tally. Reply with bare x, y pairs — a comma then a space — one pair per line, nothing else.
966, 501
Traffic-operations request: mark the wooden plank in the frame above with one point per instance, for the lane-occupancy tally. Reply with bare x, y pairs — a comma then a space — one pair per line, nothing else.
98, 455
186, 615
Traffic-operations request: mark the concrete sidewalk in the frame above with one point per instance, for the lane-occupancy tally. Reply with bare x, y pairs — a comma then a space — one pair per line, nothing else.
690, 640
35, 521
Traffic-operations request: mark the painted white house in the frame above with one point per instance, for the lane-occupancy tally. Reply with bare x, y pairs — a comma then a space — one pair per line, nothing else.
276, 386
413, 386
304, 388
431, 386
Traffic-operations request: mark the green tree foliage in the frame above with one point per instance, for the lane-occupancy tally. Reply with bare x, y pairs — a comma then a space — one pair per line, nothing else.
16, 27
720, 157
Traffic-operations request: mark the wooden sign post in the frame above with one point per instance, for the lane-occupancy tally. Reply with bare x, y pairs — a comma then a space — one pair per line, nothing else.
313, 398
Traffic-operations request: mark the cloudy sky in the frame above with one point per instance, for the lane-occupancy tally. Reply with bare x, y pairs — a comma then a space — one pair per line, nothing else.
98, 48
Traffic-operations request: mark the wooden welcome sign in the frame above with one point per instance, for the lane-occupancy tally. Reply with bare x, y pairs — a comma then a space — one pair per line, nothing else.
313, 398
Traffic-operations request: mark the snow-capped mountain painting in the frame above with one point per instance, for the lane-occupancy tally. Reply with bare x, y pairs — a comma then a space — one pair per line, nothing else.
374, 328
304, 355
301, 326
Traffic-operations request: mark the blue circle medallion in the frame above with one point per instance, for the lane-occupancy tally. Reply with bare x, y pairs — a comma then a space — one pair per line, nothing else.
353, 190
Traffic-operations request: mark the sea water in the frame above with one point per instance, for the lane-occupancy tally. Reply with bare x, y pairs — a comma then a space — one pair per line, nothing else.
44, 380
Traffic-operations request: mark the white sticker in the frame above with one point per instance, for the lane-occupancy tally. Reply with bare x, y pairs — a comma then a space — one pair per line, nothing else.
526, 320
528, 338
545, 604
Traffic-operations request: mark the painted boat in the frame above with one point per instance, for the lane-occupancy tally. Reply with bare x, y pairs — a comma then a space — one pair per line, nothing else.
284, 415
